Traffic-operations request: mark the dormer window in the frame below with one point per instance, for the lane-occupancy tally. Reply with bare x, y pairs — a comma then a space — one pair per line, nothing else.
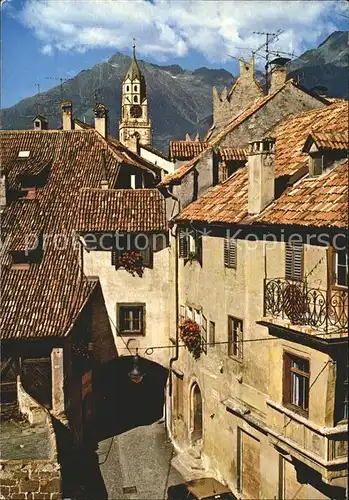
37, 123
23, 154
25, 249
316, 165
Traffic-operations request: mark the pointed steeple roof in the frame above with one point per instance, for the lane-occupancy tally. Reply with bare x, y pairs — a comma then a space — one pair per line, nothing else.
134, 71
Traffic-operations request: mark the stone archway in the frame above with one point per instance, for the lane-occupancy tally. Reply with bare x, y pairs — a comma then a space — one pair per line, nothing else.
196, 416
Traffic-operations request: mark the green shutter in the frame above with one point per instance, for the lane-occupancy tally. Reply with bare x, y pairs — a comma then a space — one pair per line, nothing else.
294, 256
230, 252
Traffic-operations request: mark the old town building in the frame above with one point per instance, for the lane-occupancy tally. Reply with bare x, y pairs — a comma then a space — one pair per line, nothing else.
263, 271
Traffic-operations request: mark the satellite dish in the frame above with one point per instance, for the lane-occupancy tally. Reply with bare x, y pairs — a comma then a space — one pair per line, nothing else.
280, 61
319, 89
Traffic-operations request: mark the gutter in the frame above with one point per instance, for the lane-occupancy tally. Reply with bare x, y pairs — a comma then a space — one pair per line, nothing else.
176, 356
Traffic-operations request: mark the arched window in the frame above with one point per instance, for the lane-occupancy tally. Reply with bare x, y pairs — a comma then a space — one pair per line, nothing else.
135, 98
135, 88
196, 409
127, 88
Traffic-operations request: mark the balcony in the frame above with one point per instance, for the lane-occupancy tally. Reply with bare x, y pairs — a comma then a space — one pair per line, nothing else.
309, 310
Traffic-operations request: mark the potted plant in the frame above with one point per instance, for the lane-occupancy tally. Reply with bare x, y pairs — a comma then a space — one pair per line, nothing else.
190, 334
132, 262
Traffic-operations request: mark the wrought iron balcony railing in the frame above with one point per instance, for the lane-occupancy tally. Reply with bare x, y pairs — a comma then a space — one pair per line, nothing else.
296, 302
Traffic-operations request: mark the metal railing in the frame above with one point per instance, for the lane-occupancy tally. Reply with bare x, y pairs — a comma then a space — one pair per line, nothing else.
295, 301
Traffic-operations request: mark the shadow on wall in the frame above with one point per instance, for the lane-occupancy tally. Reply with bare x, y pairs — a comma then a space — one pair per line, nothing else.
120, 404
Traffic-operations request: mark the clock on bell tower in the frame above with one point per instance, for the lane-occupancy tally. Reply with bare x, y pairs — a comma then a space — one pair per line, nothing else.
134, 123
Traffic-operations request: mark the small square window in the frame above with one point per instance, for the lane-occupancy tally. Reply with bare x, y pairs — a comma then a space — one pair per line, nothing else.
24, 154
296, 382
131, 319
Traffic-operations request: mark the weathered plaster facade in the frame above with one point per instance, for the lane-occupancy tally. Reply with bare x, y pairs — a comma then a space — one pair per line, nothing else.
248, 436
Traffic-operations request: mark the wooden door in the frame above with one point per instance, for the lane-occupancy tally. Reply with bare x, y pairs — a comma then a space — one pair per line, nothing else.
250, 466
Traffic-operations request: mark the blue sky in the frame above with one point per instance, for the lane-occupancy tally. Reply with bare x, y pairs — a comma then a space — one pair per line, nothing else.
59, 38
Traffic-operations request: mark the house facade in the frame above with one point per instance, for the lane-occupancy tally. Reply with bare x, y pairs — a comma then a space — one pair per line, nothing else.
263, 272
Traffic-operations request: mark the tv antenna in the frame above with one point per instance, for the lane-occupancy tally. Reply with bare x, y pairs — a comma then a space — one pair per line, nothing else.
37, 105
269, 38
62, 80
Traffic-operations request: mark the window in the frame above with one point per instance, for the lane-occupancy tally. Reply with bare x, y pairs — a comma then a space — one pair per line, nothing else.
294, 256
204, 333
131, 319
230, 252
24, 154
135, 98
212, 333
190, 245
138, 243
37, 123
235, 331
135, 88
296, 382
341, 266
127, 88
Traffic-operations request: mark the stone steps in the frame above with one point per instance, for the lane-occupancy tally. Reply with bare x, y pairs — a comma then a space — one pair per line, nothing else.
189, 466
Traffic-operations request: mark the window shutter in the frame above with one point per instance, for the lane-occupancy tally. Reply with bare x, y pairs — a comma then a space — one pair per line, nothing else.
115, 257
230, 252
331, 262
198, 246
183, 244
204, 333
294, 260
146, 255
287, 379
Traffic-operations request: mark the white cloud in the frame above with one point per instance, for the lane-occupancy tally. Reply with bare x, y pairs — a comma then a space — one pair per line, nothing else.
168, 28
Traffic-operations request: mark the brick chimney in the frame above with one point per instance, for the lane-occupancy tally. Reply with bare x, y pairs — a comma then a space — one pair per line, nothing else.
277, 79
261, 175
101, 119
67, 115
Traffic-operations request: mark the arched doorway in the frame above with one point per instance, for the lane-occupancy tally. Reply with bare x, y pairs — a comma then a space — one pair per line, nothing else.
197, 417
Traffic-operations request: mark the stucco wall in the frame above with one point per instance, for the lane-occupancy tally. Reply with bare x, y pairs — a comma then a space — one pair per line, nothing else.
257, 379
118, 286
167, 165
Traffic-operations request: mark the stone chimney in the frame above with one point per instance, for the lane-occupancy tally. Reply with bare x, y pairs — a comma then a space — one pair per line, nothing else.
277, 79
261, 175
104, 180
67, 115
2, 190
101, 119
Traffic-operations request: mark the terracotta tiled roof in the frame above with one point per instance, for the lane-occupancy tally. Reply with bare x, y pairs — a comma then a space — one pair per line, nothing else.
46, 299
331, 140
131, 158
231, 154
129, 210
215, 141
186, 149
228, 202
314, 201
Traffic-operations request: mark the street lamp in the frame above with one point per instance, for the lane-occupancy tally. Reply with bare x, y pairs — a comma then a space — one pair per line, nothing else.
135, 374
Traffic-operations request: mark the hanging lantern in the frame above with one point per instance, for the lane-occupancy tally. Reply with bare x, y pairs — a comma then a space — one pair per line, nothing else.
135, 374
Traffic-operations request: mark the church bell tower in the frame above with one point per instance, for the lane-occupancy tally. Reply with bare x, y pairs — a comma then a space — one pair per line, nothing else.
135, 125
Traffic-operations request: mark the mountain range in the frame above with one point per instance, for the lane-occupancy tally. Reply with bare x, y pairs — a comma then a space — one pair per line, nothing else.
180, 101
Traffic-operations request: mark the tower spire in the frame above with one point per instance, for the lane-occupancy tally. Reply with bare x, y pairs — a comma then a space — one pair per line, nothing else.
134, 48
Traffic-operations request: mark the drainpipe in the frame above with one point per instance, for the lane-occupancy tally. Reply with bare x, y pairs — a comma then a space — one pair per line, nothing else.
176, 356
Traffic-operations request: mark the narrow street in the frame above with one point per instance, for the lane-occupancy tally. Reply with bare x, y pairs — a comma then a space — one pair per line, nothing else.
139, 458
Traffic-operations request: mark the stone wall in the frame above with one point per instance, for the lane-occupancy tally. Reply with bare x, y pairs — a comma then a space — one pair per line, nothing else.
243, 93
30, 480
